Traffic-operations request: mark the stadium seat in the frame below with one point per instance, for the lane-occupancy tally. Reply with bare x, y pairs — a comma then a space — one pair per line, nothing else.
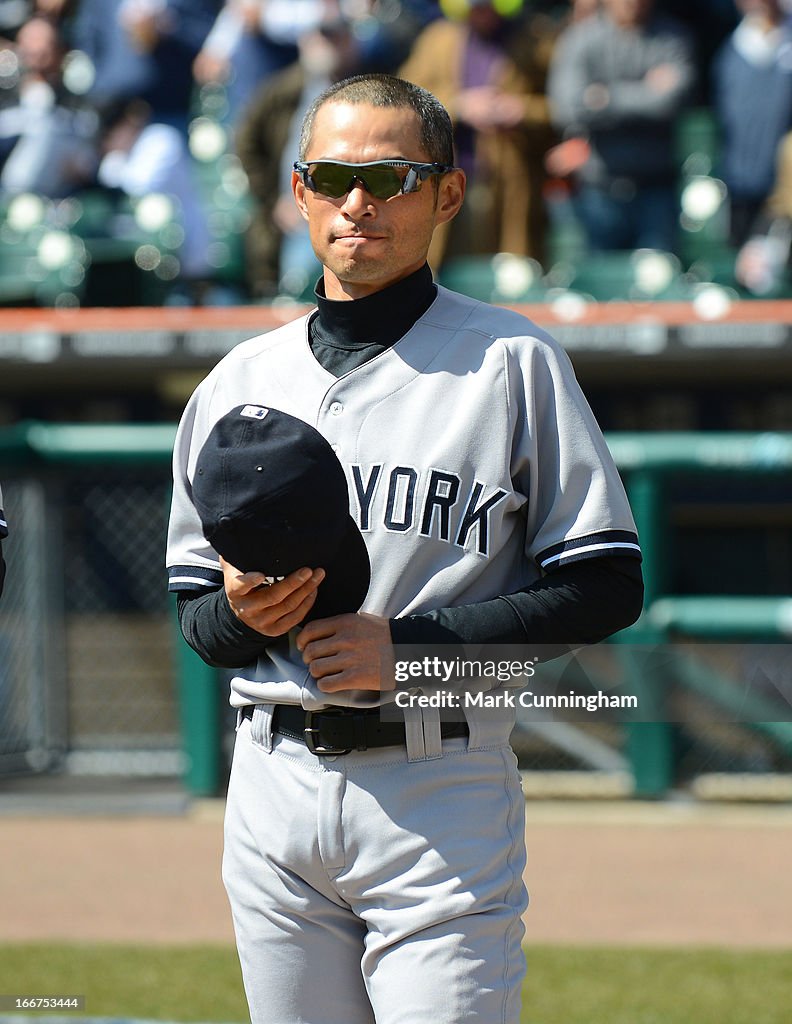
703, 197
697, 141
715, 266
42, 262
503, 278
222, 182
642, 274
131, 246
704, 217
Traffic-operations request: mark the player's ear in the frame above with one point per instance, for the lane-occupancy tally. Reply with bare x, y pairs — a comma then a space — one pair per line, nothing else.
299, 190
450, 194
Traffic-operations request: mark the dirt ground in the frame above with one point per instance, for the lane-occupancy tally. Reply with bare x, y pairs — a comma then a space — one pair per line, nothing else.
599, 873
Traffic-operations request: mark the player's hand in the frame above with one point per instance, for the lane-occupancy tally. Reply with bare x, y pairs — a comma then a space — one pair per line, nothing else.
272, 609
349, 652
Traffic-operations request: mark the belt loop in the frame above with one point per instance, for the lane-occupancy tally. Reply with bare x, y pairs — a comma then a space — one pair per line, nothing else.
261, 726
433, 741
414, 734
489, 728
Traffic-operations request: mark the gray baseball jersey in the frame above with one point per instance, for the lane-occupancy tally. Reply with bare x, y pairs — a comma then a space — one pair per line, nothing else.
472, 458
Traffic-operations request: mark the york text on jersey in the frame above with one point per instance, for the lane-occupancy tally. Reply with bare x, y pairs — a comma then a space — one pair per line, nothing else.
437, 504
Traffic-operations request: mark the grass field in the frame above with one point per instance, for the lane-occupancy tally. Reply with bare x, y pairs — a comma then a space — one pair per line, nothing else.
579, 985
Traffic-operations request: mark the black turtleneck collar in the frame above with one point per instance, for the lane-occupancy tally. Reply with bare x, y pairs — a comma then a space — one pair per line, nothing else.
345, 334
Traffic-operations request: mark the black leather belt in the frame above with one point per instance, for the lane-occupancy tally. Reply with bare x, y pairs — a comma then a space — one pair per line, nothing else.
340, 732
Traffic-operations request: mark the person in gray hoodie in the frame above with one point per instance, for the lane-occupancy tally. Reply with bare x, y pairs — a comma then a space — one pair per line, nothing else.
618, 80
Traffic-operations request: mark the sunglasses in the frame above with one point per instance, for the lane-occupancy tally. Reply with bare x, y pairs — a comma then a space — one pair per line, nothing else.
384, 179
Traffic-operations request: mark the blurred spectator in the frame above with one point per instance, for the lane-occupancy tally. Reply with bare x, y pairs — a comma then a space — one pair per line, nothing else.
583, 9
617, 83
144, 49
47, 135
250, 41
253, 39
279, 253
385, 30
141, 157
752, 95
762, 264
14, 13
55, 8
489, 71
710, 22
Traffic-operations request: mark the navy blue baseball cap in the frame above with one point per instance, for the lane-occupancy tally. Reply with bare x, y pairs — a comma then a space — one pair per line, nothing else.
272, 497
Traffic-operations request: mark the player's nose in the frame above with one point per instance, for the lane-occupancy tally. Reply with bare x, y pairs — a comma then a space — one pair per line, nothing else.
359, 200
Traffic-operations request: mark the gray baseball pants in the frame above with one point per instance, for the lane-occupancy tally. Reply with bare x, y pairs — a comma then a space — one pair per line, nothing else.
378, 886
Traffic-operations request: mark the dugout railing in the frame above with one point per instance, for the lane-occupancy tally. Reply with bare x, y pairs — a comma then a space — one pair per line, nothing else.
46, 646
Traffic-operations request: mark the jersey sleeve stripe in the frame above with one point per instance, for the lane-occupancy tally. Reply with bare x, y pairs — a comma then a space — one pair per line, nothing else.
608, 542
3, 525
192, 577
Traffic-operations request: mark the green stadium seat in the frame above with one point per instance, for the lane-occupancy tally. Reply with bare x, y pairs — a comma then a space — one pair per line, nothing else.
503, 278
716, 266
696, 141
42, 262
642, 274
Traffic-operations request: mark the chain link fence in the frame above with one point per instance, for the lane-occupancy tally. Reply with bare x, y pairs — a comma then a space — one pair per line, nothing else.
86, 626
33, 719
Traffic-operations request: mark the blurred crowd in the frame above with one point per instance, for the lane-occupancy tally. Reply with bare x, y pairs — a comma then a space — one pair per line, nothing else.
565, 112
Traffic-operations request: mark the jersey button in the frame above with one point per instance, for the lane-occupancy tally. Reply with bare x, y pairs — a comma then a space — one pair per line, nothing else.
336, 408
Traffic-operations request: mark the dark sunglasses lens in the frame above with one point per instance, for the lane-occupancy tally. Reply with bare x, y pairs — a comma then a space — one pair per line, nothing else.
383, 181
329, 179
335, 180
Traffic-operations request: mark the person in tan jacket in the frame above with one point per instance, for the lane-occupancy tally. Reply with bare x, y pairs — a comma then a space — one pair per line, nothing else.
489, 72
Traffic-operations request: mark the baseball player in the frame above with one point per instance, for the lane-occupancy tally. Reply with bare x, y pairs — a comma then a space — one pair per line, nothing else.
3, 533
376, 874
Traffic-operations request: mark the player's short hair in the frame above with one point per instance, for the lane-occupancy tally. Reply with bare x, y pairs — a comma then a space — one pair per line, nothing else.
378, 90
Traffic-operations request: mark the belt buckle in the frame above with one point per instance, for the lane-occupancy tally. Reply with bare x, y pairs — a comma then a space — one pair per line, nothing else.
310, 731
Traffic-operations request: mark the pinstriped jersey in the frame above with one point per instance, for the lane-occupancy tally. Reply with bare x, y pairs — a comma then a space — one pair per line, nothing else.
472, 459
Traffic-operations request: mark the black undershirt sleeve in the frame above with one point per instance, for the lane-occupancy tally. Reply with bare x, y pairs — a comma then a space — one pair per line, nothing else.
578, 604
213, 631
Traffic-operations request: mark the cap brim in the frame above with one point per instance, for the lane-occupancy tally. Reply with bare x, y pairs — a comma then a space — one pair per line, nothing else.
347, 578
